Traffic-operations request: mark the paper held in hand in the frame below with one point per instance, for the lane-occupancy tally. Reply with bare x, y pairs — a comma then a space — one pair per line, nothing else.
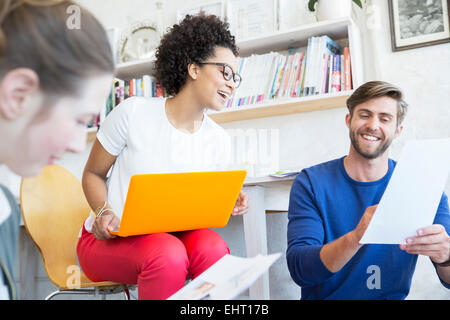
282, 174
412, 196
226, 279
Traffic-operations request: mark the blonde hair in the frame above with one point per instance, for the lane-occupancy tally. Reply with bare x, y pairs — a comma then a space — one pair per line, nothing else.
34, 35
375, 89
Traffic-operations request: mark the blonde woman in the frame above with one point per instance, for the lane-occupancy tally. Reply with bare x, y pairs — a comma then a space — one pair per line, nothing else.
53, 80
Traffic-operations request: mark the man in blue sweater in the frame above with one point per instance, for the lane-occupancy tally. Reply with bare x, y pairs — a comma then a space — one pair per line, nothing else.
331, 205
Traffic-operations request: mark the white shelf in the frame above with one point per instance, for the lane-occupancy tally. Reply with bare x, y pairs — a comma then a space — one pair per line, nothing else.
296, 37
134, 69
282, 107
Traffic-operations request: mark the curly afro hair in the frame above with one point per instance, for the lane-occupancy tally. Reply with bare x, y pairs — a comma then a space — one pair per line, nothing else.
193, 40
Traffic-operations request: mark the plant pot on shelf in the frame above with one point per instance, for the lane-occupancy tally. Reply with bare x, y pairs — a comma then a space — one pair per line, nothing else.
333, 9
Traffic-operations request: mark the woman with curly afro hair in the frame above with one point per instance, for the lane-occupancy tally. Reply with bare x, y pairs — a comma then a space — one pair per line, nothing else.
196, 63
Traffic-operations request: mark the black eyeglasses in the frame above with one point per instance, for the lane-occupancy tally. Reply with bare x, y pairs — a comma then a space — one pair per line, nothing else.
227, 72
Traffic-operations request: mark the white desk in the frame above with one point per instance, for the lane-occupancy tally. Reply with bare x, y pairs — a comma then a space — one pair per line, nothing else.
265, 194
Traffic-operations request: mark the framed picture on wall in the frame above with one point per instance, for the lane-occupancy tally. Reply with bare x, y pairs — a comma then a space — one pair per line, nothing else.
215, 7
251, 18
418, 23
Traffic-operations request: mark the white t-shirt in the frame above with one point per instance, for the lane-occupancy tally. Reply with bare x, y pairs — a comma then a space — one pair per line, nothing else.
139, 133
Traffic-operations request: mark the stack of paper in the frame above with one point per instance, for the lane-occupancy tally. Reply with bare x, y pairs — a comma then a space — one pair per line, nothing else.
226, 279
282, 174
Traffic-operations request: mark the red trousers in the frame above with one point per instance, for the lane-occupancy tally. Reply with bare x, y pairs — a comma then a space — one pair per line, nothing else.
158, 263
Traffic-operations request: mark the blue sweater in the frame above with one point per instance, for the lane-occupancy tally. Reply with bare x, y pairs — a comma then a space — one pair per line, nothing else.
325, 203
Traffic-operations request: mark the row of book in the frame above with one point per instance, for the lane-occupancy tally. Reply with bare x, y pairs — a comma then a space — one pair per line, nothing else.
146, 86
138, 87
325, 67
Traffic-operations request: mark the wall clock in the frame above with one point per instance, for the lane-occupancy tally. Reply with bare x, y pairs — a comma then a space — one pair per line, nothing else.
138, 42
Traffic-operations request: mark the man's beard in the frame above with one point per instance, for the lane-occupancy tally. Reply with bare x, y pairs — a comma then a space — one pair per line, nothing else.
369, 155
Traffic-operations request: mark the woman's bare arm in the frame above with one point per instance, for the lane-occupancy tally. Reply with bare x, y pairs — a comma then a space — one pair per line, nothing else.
94, 187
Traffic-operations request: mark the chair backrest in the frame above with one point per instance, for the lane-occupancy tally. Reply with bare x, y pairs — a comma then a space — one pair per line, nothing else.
53, 209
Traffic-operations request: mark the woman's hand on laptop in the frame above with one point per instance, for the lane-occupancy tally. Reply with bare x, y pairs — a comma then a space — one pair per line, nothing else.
102, 225
241, 206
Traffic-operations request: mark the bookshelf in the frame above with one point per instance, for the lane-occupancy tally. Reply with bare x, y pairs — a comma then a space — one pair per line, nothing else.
282, 107
337, 29
127, 70
134, 69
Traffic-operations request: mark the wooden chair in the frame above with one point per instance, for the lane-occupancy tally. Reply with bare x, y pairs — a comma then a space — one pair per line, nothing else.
53, 209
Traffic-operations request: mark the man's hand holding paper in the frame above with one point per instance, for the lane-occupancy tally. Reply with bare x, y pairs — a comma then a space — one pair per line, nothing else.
432, 241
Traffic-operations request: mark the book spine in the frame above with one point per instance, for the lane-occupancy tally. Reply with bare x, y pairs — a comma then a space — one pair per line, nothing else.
320, 63
292, 76
307, 68
147, 86
131, 87
286, 76
348, 70
335, 77
139, 92
330, 72
159, 90
297, 76
310, 69
316, 72
127, 89
342, 76
270, 76
267, 72
253, 88
258, 74
117, 92
250, 84
338, 72
325, 73
281, 74
332, 47
302, 79
275, 77
96, 121
121, 90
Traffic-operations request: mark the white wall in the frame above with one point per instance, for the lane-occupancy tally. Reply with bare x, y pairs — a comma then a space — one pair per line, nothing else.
310, 138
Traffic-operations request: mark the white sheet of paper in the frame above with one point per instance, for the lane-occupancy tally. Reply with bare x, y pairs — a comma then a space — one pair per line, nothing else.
227, 278
412, 196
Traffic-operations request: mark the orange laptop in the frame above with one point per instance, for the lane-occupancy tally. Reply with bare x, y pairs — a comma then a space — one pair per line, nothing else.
171, 202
